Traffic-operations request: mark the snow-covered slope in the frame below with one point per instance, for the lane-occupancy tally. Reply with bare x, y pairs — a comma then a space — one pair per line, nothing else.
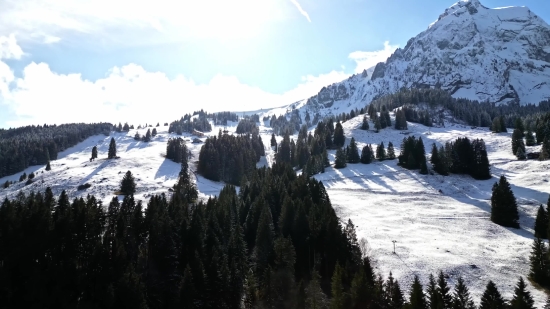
500, 55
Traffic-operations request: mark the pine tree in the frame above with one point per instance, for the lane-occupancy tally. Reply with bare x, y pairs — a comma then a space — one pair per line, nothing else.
495, 126
338, 296
315, 298
529, 138
443, 292
502, 124
366, 155
539, 262
137, 136
545, 150
353, 152
112, 149
461, 297
340, 159
48, 167
273, 141
94, 153
128, 184
417, 300
504, 210
517, 141
541, 223
518, 125
365, 123
400, 120
423, 166
147, 137
520, 153
339, 139
522, 298
491, 298
377, 125
154, 132
390, 153
381, 152
434, 300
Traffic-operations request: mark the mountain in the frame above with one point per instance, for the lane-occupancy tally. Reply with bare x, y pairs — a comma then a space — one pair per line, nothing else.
501, 55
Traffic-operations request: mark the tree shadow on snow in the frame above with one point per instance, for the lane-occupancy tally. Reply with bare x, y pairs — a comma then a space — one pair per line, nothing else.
168, 170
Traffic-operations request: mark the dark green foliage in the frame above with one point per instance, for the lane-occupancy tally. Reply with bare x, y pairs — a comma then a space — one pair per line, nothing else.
518, 125
545, 149
529, 138
377, 124
434, 301
147, 136
491, 298
229, 158
400, 120
340, 159
504, 210
443, 292
462, 157
176, 150
23, 177
112, 149
412, 153
338, 299
393, 296
339, 139
353, 152
520, 154
247, 125
381, 152
517, 142
36, 145
365, 123
31, 176
539, 262
367, 154
417, 300
461, 297
154, 132
390, 152
495, 126
128, 184
188, 123
94, 153
522, 298
541, 223
273, 141
502, 124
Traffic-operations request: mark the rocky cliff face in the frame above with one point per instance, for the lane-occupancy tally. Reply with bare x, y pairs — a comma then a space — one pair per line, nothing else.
501, 55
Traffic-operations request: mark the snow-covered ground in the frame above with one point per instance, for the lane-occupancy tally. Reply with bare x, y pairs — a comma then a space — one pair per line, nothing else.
439, 223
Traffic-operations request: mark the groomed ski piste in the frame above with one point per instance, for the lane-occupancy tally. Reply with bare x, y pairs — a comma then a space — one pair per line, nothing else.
438, 222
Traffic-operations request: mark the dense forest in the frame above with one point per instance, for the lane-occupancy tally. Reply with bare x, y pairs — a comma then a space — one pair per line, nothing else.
189, 122
37, 145
247, 125
230, 158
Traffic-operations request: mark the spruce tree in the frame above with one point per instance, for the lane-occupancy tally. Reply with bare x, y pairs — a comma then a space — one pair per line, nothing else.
315, 298
541, 223
417, 300
340, 159
154, 132
377, 125
48, 167
522, 298
339, 139
94, 153
137, 136
502, 124
518, 125
517, 141
353, 152
365, 123
529, 138
423, 166
545, 150
434, 300
520, 153
495, 126
128, 184
337, 287
381, 152
443, 292
390, 153
504, 209
112, 149
461, 297
491, 298
366, 155
539, 262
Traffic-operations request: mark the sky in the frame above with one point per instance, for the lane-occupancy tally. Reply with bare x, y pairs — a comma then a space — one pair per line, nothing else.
145, 61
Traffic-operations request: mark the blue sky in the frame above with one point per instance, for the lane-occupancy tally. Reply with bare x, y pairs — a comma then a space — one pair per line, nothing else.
121, 60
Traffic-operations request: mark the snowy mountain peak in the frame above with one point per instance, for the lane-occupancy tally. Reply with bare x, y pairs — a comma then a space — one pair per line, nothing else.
501, 55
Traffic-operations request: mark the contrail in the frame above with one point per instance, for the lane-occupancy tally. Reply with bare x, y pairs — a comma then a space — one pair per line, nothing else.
299, 7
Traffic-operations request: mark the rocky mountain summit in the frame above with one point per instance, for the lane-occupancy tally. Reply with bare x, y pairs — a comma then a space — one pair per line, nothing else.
499, 55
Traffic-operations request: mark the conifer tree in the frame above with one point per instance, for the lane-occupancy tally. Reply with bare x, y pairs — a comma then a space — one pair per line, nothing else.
273, 141
417, 300
315, 298
94, 153
147, 137
423, 166
48, 167
495, 126
381, 152
434, 300
128, 184
491, 298
365, 123
154, 132
359, 291
390, 153
443, 292
545, 150
339, 139
394, 295
541, 223
353, 152
461, 297
112, 149
502, 124
337, 287
504, 209
377, 124
520, 154
529, 138
517, 141
522, 298
366, 155
400, 120
539, 262
340, 159
518, 125
137, 136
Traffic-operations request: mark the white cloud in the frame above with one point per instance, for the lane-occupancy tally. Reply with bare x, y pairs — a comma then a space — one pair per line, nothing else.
9, 49
368, 59
137, 21
300, 9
